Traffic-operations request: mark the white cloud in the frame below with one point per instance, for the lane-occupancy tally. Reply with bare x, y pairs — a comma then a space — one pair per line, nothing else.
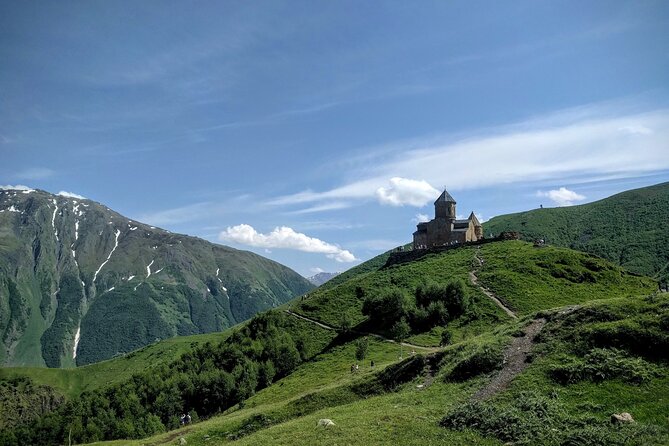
63, 193
17, 187
562, 196
420, 218
317, 270
284, 237
404, 191
583, 144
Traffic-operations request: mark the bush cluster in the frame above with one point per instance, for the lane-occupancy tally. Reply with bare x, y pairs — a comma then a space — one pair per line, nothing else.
533, 418
602, 364
434, 305
483, 360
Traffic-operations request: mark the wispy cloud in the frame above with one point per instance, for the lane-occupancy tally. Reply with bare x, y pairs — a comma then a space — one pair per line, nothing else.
582, 143
34, 173
284, 237
562, 196
176, 215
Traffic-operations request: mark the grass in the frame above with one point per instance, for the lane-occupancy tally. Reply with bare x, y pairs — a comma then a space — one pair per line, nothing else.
630, 229
530, 279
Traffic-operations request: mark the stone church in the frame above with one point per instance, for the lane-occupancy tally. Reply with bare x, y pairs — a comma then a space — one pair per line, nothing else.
445, 229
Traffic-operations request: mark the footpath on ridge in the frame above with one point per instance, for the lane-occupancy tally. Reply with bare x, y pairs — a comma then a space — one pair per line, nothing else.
363, 333
475, 281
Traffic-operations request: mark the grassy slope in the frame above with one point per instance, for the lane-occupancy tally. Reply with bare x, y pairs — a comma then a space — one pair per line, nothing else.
630, 228
74, 381
411, 416
529, 279
286, 413
512, 269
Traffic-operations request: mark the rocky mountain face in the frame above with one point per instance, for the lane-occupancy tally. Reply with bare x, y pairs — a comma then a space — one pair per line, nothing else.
80, 283
320, 278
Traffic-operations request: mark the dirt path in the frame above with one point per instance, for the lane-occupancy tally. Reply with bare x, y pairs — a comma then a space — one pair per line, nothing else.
364, 333
515, 357
475, 281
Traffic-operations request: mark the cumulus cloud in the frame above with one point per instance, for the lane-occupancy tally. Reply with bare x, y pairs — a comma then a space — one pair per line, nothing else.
562, 196
317, 270
284, 237
63, 193
405, 191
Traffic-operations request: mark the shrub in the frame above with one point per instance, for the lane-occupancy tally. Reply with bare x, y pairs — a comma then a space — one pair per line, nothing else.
484, 360
532, 418
602, 364
361, 347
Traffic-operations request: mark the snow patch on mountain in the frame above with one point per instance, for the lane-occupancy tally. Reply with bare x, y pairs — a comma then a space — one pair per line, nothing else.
77, 337
118, 232
148, 269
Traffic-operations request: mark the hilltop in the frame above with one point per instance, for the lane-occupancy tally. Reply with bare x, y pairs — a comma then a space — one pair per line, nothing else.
272, 379
630, 228
80, 283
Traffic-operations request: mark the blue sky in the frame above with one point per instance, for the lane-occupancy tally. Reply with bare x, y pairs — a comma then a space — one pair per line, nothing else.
318, 133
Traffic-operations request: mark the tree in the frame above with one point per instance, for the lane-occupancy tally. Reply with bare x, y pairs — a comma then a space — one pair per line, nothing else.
345, 323
361, 347
446, 337
400, 331
457, 298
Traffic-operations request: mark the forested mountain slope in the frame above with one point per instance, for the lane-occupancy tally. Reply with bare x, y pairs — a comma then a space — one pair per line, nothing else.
80, 283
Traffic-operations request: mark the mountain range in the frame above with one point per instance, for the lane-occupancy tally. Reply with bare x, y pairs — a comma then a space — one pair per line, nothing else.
80, 283
322, 277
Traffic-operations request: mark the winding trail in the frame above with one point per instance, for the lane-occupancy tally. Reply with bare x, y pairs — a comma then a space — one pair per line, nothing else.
364, 333
515, 361
475, 281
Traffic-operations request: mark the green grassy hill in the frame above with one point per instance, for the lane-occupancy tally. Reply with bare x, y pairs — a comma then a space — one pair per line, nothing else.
601, 351
630, 229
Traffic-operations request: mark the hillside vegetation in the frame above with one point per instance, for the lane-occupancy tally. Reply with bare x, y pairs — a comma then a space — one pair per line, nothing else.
272, 379
80, 283
630, 229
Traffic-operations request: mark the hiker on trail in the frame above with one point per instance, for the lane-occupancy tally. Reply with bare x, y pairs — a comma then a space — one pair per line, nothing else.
352, 368
372, 363
357, 368
183, 419
188, 419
